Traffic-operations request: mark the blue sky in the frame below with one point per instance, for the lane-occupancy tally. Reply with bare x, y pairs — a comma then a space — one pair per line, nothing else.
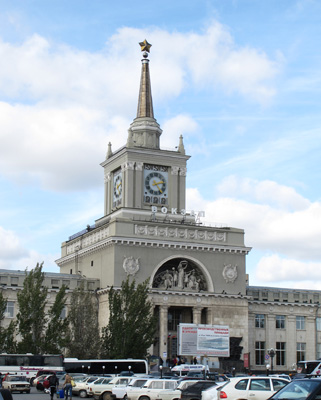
239, 79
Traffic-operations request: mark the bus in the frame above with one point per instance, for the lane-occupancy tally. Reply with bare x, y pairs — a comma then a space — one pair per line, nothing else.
29, 364
109, 367
311, 367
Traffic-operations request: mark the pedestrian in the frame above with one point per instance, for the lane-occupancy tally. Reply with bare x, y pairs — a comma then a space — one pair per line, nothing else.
5, 394
53, 385
68, 387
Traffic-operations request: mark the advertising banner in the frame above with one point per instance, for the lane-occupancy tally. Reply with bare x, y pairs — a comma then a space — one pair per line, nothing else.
209, 340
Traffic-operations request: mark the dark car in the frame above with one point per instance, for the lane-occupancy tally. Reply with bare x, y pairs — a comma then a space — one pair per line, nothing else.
300, 389
194, 392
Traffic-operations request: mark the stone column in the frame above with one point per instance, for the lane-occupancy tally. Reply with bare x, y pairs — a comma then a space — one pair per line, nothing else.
182, 188
197, 311
310, 338
290, 341
163, 330
108, 191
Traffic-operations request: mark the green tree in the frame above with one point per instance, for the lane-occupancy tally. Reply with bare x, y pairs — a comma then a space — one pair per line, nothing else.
7, 335
84, 329
31, 317
132, 326
56, 334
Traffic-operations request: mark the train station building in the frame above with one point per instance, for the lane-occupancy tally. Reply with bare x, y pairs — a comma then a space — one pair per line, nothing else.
197, 272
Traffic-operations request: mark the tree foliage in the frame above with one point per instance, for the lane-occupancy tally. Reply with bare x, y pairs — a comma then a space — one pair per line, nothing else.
7, 335
84, 329
131, 327
41, 331
56, 334
31, 317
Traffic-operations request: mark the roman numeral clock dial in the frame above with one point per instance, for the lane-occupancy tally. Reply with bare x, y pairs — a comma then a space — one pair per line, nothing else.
155, 184
117, 189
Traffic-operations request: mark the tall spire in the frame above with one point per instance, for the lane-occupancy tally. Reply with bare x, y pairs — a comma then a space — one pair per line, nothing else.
145, 101
144, 130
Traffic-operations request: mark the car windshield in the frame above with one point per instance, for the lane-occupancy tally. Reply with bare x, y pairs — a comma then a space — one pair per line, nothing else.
16, 378
297, 390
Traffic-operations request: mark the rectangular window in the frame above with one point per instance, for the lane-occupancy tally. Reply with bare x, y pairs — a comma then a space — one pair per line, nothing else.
280, 322
318, 350
9, 309
300, 322
14, 281
174, 318
318, 322
259, 353
300, 352
259, 321
280, 353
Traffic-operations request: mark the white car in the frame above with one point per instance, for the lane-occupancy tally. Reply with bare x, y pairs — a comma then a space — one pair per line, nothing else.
104, 392
250, 388
151, 389
16, 383
175, 394
123, 392
82, 386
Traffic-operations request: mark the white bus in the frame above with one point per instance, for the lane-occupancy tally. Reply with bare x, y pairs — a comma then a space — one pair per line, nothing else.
106, 367
29, 364
311, 367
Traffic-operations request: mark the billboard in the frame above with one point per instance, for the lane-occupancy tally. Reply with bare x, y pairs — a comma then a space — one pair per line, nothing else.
200, 340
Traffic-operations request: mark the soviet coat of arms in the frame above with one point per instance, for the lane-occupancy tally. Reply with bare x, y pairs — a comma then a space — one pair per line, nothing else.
131, 265
230, 273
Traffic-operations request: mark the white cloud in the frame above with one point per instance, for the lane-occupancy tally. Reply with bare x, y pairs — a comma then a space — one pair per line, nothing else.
289, 272
293, 233
174, 127
61, 105
11, 247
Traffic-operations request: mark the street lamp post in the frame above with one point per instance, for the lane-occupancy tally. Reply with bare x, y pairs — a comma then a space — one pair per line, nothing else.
129, 367
116, 370
271, 353
161, 370
104, 370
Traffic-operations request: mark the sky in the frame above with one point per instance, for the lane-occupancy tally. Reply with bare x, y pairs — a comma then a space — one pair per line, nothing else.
239, 79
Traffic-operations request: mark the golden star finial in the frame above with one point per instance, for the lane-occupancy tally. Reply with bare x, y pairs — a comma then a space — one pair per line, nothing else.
145, 46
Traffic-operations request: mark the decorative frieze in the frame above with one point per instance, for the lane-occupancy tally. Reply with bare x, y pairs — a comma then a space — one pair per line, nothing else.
180, 233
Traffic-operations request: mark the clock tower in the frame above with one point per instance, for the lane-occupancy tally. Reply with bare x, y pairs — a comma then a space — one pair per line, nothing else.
141, 176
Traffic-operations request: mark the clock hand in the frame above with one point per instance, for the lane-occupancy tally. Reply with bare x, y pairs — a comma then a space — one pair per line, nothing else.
158, 183
119, 184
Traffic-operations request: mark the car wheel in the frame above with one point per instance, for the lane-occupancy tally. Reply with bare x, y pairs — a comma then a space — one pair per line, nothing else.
107, 396
28, 391
83, 394
144, 398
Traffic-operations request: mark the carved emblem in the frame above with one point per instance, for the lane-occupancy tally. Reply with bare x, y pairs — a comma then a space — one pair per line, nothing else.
131, 265
230, 273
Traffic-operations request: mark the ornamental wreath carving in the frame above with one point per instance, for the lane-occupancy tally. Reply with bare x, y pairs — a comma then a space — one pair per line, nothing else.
181, 277
229, 273
131, 265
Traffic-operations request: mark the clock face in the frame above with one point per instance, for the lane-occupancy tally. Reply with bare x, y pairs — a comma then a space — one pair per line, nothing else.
118, 186
155, 184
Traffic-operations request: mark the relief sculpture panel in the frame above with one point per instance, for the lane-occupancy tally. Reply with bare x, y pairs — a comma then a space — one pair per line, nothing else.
180, 274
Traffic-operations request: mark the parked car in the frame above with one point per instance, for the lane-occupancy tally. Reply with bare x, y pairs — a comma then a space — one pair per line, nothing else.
16, 383
251, 388
93, 385
104, 392
122, 392
151, 389
175, 394
303, 389
81, 385
194, 392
